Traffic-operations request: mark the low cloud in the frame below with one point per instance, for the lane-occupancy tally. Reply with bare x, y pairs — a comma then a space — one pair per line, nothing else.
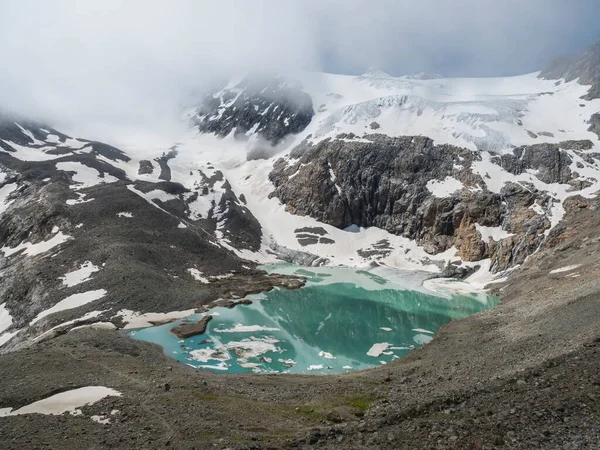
93, 65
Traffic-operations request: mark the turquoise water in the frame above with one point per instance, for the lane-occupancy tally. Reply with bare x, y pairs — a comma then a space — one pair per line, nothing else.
343, 320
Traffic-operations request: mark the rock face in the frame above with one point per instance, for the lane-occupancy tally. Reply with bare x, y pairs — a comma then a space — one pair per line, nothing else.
595, 124
145, 167
187, 330
584, 67
549, 160
268, 106
390, 183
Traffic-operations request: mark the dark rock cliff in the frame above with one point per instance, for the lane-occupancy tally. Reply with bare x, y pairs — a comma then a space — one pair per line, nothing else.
271, 107
383, 182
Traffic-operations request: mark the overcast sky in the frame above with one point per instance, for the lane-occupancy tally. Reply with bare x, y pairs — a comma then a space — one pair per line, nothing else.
129, 61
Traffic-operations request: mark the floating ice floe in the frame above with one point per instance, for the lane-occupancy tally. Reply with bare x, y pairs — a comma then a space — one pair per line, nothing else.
253, 347
422, 330
287, 362
378, 349
422, 338
326, 355
210, 354
239, 328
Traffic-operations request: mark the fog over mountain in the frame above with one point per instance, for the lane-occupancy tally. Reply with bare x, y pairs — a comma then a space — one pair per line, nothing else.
116, 65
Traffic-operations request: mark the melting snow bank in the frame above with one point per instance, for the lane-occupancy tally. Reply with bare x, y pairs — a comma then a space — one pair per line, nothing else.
135, 319
72, 301
80, 275
565, 269
69, 401
83, 175
473, 285
5, 318
36, 249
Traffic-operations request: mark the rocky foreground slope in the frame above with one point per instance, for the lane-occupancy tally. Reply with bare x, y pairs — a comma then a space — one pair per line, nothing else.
412, 172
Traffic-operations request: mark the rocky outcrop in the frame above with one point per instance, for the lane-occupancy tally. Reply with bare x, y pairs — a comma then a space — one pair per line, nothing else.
549, 160
146, 167
268, 106
595, 124
583, 67
187, 330
388, 183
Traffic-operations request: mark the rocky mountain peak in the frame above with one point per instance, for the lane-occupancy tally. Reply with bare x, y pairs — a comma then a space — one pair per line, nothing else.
269, 106
374, 72
423, 76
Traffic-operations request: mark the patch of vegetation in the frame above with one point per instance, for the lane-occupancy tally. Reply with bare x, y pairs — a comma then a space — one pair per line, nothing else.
361, 401
310, 411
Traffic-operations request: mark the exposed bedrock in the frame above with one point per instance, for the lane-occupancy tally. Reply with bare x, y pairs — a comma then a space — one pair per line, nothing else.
269, 106
387, 182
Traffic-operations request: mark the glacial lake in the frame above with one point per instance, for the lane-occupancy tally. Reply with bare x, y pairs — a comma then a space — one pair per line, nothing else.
342, 320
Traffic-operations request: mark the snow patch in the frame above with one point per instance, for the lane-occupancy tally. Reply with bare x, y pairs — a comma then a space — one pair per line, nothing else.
444, 188
495, 233
565, 269
5, 191
37, 249
72, 301
84, 176
197, 275
80, 275
5, 318
69, 401
134, 319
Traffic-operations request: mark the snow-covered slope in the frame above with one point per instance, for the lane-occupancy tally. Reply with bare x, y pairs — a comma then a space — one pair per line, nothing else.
491, 114
489, 117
